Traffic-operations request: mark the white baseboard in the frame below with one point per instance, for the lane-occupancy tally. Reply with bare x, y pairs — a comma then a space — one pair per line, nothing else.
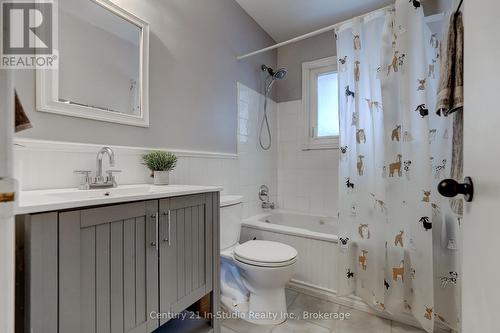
353, 302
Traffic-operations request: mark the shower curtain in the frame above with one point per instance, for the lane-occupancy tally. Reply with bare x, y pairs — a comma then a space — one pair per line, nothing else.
398, 239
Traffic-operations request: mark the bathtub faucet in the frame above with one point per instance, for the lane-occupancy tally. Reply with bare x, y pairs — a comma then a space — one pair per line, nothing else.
267, 205
264, 197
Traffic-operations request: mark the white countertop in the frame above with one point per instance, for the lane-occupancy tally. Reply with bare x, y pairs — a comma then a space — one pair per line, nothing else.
50, 200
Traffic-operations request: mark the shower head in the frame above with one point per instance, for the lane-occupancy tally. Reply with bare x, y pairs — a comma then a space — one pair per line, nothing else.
279, 74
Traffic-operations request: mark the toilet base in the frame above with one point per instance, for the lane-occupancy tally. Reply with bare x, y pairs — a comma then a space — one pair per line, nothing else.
265, 308
270, 305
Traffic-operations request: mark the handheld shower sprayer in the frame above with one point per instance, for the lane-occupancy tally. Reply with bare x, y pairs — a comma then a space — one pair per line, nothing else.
272, 77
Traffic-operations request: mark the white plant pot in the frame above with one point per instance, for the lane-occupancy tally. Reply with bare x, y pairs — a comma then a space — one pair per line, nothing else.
160, 177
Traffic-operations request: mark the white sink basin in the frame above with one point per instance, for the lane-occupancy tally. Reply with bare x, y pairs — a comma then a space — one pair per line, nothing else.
46, 200
72, 194
122, 191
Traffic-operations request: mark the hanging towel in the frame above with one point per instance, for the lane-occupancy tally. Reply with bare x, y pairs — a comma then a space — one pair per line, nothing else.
457, 156
22, 120
450, 97
451, 82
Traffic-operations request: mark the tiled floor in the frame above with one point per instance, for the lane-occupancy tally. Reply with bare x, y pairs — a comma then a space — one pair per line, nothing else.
360, 322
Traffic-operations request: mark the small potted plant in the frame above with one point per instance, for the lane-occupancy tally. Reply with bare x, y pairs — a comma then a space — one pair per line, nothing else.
160, 163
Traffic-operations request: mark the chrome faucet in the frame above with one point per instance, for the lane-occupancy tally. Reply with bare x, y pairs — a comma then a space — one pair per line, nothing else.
111, 154
264, 197
99, 181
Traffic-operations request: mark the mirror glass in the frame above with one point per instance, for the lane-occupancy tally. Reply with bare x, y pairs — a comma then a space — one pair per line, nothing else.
99, 59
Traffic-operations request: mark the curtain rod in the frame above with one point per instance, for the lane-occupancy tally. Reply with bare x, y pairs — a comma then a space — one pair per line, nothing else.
310, 34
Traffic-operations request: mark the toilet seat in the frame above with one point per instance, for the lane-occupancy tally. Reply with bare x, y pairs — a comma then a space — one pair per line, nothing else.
265, 254
267, 264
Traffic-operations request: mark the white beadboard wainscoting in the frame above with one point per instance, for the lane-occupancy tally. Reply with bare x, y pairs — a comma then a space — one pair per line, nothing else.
50, 164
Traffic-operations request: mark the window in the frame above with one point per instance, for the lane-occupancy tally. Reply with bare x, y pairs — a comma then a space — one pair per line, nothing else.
320, 100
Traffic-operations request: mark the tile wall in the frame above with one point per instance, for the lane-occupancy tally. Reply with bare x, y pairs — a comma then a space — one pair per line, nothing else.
256, 166
307, 179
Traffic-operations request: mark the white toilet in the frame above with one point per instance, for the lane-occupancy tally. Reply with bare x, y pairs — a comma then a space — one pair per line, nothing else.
253, 274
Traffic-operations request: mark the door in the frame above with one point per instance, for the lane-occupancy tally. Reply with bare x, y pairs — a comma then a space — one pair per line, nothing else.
481, 224
186, 242
8, 189
108, 269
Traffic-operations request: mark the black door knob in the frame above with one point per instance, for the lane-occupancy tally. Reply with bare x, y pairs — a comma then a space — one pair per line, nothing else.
451, 188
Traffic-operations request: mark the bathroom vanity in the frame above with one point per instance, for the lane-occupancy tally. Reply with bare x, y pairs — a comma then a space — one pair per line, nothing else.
118, 260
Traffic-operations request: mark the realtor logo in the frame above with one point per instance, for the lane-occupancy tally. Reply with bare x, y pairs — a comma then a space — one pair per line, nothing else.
28, 34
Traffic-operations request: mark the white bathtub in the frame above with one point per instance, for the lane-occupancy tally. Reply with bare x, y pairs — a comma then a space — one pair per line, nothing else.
314, 237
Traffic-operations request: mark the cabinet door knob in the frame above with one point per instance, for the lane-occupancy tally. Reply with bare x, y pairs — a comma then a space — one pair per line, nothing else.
451, 188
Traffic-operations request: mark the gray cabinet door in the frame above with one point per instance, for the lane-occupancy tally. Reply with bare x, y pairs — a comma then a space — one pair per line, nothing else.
186, 251
40, 304
108, 269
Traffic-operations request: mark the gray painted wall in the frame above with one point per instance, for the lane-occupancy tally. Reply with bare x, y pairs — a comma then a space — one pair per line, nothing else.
293, 55
193, 75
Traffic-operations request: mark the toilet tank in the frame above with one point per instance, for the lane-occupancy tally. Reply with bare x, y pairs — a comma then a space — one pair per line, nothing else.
230, 220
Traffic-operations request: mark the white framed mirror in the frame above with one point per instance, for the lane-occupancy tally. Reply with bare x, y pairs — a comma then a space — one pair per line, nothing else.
103, 65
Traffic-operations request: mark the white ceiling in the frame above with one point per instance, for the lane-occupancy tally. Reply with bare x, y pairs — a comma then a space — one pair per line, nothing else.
284, 19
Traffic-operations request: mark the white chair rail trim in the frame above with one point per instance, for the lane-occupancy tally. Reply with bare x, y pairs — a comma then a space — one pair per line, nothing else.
28, 144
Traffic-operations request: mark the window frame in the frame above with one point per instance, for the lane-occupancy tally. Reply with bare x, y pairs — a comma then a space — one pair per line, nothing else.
310, 72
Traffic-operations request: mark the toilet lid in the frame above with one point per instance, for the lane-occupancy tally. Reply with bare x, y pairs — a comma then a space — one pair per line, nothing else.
265, 253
